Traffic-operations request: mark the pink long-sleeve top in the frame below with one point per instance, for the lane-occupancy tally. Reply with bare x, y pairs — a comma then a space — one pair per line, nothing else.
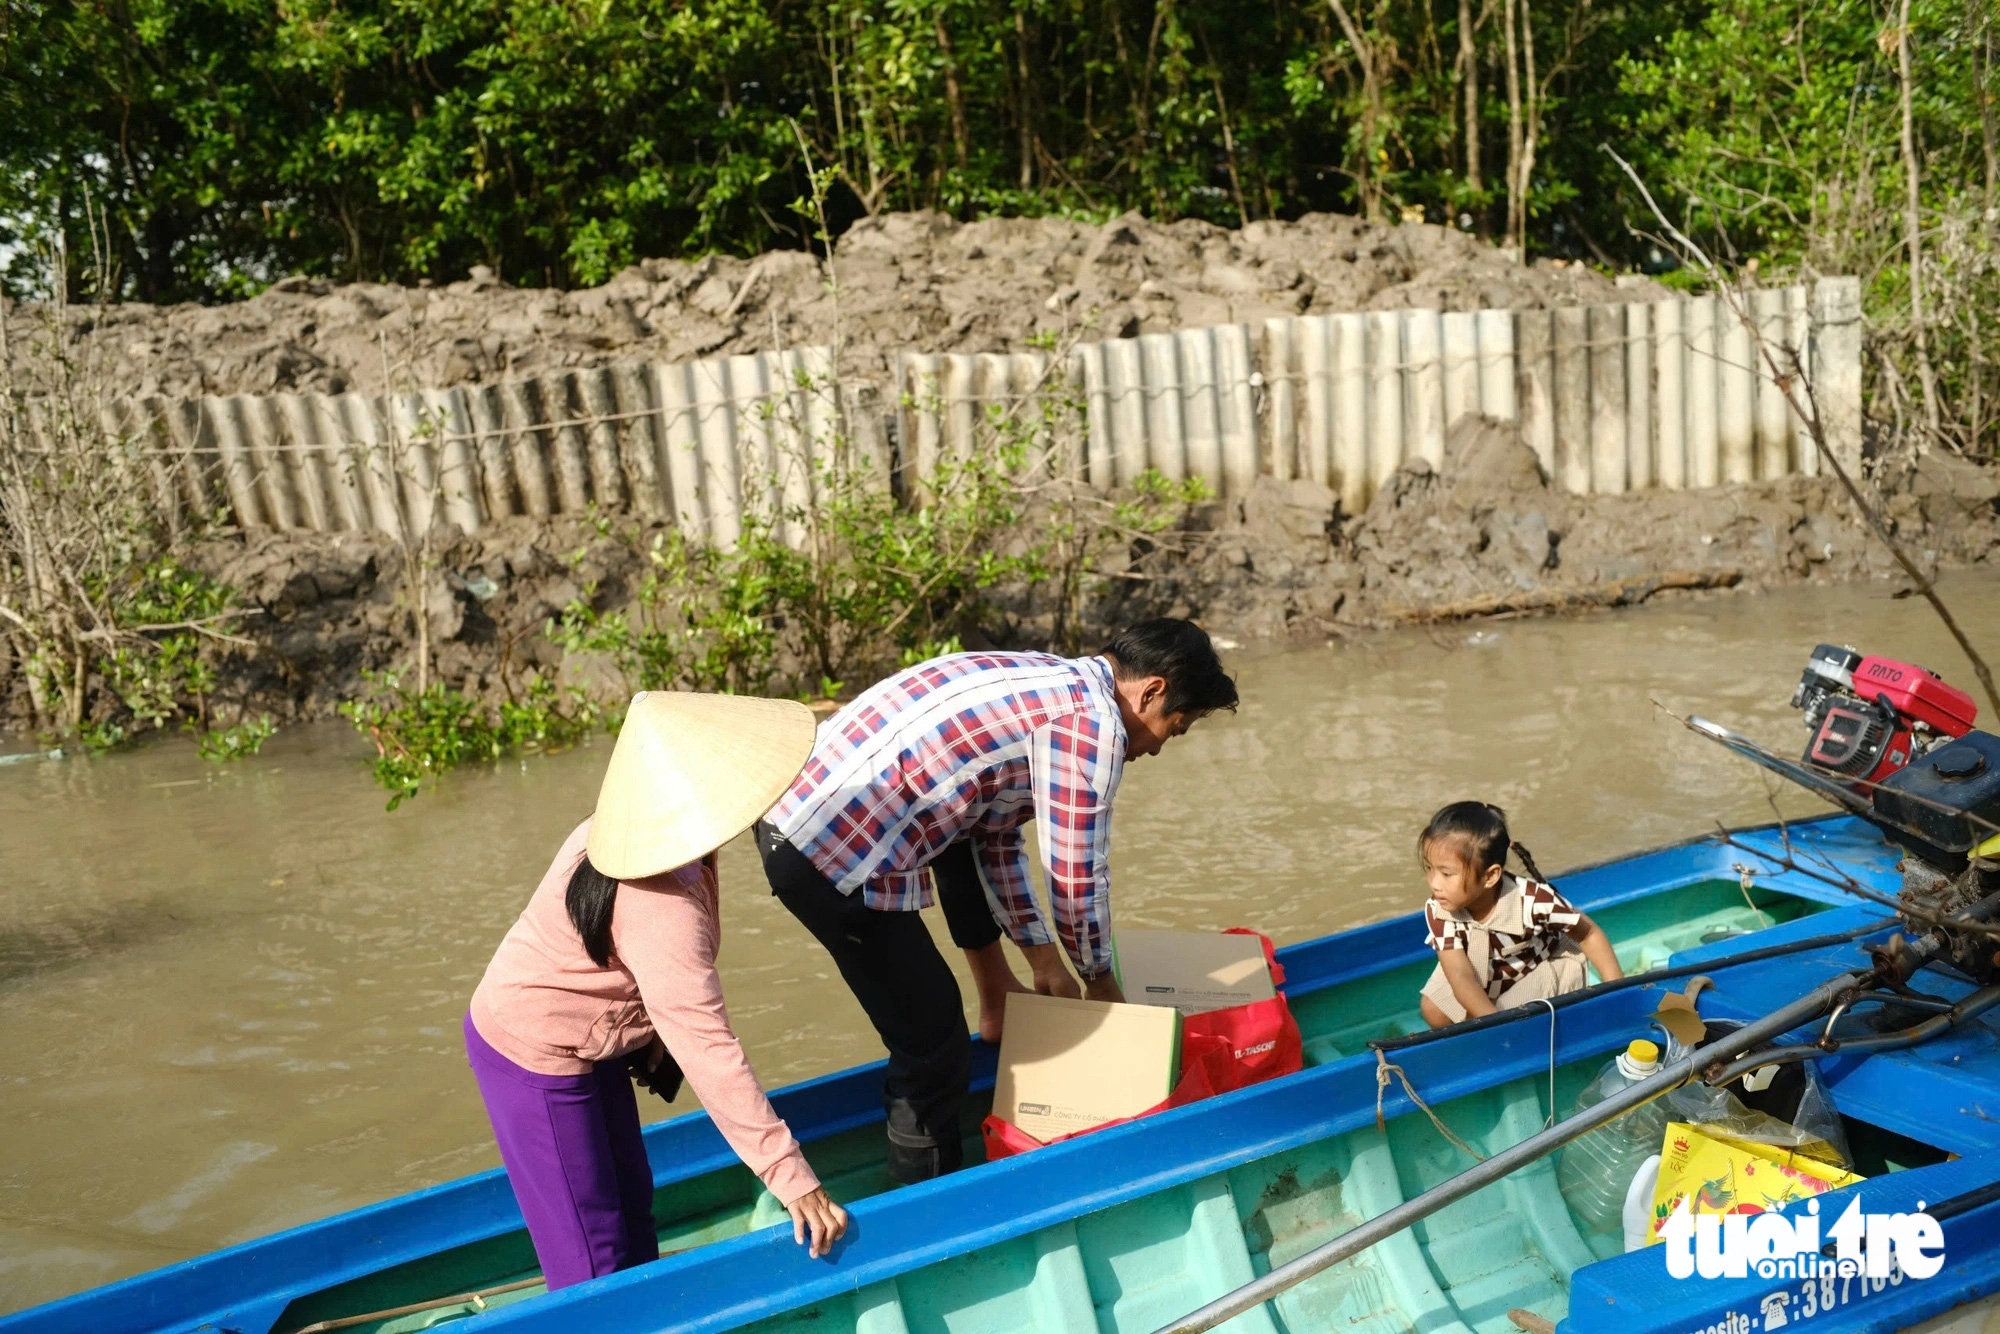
547, 1007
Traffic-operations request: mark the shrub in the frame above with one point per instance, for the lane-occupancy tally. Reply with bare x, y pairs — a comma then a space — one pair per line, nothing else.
422, 734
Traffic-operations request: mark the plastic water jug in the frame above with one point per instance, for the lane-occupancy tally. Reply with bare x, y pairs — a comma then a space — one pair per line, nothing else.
1596, 1171
1639, 1203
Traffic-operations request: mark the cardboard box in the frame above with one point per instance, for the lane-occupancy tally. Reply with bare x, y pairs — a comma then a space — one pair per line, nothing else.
1069, 1065
1193, 971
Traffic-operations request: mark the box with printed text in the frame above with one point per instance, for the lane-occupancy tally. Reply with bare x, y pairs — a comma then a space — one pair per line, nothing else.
1068, 1065
1193, 971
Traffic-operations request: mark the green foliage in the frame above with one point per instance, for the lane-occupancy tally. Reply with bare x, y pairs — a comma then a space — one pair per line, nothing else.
422, 734
930, 648
1771, 132
851, 581
1081, 530
224, 142
230, 141
1740, 119
220, 143
154, 674
221, 745
873, 579
702, 620
545, 718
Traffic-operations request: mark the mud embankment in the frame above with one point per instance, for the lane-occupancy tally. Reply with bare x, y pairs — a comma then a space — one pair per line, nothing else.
1486, 533
912, 281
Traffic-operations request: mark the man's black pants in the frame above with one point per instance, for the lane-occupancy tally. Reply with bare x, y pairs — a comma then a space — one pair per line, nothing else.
890, 963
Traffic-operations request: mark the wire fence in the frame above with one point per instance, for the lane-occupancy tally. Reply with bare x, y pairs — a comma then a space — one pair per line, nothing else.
1611, 398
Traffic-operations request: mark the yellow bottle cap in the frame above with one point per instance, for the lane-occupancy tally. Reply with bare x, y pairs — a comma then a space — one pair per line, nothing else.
1643, 1051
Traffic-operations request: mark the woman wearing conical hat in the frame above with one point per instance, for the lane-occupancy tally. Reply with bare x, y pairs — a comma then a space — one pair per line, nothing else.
609, 975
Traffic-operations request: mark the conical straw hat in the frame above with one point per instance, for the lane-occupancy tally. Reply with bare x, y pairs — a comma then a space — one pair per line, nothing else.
689, 773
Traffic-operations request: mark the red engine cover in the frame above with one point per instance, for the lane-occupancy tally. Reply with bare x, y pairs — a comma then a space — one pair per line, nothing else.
1916, 693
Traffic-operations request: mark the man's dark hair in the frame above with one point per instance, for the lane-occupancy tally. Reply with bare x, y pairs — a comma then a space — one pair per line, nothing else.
1181, 652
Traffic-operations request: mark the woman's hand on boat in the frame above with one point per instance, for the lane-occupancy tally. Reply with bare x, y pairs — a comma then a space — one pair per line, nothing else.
816, 1214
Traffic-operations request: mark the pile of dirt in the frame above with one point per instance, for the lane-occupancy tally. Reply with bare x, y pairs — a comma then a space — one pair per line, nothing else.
1484, 534
335, 607
1488, 534
909, 281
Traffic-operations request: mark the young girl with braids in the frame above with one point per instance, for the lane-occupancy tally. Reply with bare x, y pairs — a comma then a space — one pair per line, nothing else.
1501, 940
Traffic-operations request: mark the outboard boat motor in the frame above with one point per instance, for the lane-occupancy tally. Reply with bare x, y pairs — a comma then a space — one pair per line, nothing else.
1871, 716
1894, 744
1904, 740
1944, 812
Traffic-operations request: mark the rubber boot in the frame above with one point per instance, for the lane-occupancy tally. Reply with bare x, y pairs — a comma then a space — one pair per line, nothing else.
915, 1154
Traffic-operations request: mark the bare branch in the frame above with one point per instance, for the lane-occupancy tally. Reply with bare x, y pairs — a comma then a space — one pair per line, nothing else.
1792, 381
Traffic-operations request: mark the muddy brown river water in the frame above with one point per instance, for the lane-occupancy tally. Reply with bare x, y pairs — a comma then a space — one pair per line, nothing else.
229, 997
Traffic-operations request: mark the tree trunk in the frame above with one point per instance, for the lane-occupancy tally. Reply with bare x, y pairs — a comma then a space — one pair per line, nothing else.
1982, 93
1468, 63
1371, 105
1913, 230
1532, 132
1024, 112
961, 138
1228, 145
1515, 207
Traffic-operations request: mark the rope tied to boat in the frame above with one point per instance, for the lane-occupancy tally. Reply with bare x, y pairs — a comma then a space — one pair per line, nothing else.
1544, 1000
1384, 1069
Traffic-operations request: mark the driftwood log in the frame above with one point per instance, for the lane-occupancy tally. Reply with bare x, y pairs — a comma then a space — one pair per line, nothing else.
1613, 593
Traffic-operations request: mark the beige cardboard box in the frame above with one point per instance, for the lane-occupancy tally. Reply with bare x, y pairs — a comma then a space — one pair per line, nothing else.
1193, 971
1068, 1065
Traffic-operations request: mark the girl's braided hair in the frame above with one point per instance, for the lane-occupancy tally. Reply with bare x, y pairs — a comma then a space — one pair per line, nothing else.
1481, 829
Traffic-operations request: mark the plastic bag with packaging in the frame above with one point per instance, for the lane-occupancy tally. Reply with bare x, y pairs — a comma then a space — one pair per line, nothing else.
1783, 1106
1780, 1139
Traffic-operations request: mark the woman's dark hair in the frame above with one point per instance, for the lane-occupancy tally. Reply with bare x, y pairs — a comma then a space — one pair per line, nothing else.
1481, 829
1181, 652
590, 898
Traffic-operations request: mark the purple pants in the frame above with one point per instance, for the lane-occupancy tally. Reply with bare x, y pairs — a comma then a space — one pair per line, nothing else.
573, 1154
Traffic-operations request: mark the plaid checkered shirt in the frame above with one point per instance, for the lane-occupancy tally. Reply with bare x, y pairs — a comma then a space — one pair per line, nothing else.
972, 745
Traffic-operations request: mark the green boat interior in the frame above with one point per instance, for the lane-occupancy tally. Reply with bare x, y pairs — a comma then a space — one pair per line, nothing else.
1141, 1264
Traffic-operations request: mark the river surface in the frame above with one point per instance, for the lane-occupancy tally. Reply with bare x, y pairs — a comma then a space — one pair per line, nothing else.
230, 996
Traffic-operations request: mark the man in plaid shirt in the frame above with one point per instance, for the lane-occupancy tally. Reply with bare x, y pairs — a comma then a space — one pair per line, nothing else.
921, 786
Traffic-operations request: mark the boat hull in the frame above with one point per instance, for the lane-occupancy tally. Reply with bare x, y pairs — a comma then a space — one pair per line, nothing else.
1346, 988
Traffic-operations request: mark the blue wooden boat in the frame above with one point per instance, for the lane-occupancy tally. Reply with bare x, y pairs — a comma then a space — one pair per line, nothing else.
1133, 1227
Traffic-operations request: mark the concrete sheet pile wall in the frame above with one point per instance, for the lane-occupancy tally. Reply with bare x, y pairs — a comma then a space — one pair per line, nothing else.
693, 441
1612, 398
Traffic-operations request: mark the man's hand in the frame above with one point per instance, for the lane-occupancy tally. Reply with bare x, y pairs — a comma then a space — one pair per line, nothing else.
816, 1214
1104, 988
1052, 977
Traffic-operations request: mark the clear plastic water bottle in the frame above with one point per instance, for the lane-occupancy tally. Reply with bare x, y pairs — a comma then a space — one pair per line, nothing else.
1596, 1171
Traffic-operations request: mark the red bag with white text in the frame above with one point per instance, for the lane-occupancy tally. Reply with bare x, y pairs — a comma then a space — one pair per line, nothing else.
1262, 1038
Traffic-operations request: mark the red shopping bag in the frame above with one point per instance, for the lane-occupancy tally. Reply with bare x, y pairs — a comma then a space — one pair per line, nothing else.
1220, 1051
1262, 1038
1250, 1043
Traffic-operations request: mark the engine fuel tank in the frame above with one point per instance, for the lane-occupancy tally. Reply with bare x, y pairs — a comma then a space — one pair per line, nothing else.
1949, 799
